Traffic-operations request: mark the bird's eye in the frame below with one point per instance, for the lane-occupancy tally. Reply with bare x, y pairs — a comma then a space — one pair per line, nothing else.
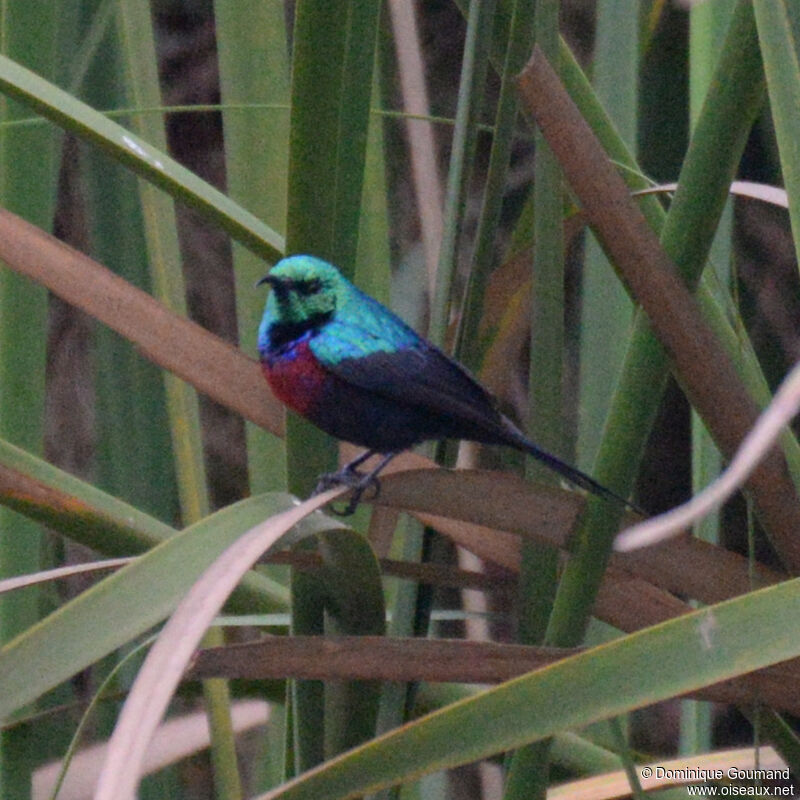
309, 287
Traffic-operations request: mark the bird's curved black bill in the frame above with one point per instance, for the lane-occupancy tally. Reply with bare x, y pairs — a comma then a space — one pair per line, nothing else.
266, 279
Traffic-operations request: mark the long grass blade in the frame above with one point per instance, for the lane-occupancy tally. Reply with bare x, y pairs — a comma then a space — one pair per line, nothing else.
141, 157
579, 690
136, 598
28, 178
254, 68
606, 310
780, 53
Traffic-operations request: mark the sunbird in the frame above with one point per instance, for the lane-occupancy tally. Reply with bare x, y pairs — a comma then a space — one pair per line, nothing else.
344, 361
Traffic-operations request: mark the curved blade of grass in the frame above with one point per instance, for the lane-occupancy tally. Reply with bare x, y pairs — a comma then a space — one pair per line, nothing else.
685, 654
135, 598
146, 161
166, 662
754, 447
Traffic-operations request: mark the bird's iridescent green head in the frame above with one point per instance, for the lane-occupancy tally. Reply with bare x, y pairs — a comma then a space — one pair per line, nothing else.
306, 291
303, 288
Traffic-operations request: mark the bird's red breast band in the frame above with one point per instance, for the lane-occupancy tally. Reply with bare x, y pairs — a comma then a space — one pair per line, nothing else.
297, 378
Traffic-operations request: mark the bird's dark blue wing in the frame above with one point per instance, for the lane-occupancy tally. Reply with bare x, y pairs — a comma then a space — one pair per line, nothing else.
375, 351
421, 375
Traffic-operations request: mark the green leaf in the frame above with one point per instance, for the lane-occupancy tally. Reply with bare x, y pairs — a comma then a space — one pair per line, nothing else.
126, 604
779, 50
351, 581
698, 649
254, 68
146, 161
28, 183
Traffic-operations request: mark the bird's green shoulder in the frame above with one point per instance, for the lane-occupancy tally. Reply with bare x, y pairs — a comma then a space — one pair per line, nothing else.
361, 326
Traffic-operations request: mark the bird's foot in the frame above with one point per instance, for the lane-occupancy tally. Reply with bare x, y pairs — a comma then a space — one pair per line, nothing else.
359, 482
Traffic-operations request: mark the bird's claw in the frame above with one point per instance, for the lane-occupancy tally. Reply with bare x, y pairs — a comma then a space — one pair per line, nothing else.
357, 481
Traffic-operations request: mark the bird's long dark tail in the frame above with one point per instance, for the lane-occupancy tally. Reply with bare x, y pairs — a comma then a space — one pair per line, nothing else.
573, 475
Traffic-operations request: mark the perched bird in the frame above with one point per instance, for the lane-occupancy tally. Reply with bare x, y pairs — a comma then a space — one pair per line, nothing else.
344, 361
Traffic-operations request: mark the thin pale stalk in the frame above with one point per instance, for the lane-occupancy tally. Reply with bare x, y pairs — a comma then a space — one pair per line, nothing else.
421, 141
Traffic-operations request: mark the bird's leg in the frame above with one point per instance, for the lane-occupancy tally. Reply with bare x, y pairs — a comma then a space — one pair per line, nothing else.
359, 482
347, 475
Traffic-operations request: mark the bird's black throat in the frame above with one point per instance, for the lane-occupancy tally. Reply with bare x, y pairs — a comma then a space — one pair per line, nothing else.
284, 334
